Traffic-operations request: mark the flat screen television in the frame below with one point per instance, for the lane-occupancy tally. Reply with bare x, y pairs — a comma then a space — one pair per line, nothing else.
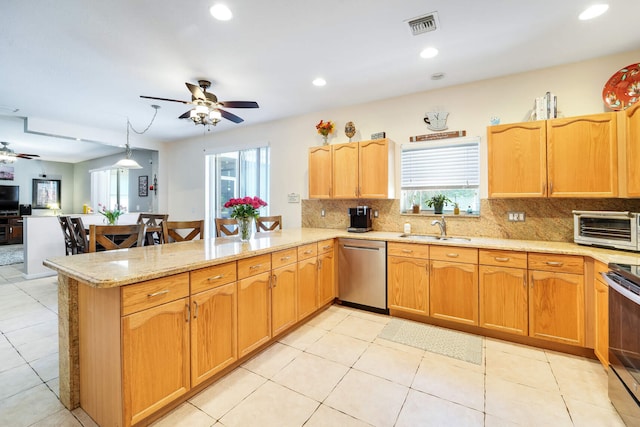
9, 198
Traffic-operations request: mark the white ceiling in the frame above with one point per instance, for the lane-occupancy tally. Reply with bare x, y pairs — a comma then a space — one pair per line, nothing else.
86, 63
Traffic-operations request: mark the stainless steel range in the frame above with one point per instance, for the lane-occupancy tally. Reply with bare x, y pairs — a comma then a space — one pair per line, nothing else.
624, 340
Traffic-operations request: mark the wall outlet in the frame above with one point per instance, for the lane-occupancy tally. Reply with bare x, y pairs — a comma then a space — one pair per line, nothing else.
516, 216
375, 214
322, 213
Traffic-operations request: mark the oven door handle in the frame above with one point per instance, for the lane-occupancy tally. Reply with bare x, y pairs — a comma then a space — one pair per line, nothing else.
621, 290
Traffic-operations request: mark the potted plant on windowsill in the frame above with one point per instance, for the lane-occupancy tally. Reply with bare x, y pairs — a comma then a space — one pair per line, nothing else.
437, 202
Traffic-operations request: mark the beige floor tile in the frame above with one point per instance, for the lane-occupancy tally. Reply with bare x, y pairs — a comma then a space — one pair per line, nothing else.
328, 319
398, 346
222, 396
492, 344
303, 337
311, 375
185, 415
423, 410
272, 360
357, 327
329, 417
339, 348
523, 404
38, 349
33, 333
46, 367
17, 380
445, 380
10, 358
570, 361
588, 389
587, 415
32, 315
441, 358
368, 398
62, 418
391, 364
368, 315
493, 421
84, 418
521, 370
54, 386
271, 405
28, 407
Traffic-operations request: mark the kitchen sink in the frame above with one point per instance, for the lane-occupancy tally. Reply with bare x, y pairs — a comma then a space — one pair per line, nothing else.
435, 238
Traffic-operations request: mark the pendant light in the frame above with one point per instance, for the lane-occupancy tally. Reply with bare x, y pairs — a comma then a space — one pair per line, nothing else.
128, 162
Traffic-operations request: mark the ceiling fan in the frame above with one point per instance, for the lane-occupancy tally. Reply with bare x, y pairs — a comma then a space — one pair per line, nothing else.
7, 155
206, 110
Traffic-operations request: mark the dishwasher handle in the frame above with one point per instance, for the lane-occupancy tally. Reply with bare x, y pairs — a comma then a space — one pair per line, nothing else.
366, 248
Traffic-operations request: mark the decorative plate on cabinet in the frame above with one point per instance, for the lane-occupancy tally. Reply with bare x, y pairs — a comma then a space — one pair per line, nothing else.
622, 90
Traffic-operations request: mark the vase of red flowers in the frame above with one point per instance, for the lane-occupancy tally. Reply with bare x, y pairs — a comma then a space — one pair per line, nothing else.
245, 210
324, 129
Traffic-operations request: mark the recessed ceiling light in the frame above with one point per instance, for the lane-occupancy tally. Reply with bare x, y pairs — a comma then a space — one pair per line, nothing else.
319, 82
221, 12
593, 11
429, 52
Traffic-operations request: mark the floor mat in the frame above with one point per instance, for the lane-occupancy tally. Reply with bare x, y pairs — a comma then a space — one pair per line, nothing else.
458, 345
11, 254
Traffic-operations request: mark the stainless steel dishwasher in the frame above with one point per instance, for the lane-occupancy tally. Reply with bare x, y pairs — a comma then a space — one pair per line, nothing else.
362, 274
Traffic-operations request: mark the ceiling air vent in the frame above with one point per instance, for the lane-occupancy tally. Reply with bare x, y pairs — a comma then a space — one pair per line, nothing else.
424, 24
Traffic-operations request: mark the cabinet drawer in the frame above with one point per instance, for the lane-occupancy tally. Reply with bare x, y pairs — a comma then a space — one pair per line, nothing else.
454, 253
552, 262
212, 277
325, 246
307, 251
285, 257
153, 293
411, 250
502, 258
254, 265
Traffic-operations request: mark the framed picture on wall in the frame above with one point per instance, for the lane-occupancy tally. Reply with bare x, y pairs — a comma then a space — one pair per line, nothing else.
143, 186
46, 194
6, 172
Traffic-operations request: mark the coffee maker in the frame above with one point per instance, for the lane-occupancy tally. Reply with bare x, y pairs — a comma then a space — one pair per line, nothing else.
360, 219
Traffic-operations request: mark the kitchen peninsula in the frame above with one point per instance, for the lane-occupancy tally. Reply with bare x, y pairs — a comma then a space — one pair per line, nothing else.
104, 296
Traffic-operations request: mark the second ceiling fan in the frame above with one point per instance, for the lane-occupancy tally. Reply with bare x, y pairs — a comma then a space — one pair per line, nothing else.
206, 107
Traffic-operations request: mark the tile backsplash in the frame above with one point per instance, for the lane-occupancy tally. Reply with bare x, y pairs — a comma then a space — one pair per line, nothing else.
546, 219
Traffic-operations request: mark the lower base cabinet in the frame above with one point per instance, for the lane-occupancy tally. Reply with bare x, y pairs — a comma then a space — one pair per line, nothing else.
284, 286
254, 312
307, 287
408, 284
504, 299
326, 273
601, 347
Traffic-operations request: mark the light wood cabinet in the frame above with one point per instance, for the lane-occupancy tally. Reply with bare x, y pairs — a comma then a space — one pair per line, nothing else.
213, 331
284, 304
307, 286
345, 171
601, 347
517, 160
631, 118
408, 277
582, 156
453, 285
254, 312
503, 299
155, 358
354, 170
569, 157
320, 172
556, 298
326, 272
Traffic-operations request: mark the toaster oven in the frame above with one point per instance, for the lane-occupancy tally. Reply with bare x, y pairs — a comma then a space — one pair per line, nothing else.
616, 230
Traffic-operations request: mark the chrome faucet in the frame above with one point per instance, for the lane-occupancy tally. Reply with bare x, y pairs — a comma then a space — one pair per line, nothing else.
443, 226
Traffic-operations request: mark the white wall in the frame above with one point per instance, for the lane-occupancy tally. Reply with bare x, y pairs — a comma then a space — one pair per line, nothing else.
578, 88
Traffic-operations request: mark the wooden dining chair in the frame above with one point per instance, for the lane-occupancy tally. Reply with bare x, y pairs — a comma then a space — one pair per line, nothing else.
82, 242
180, 231
112, 237
70, 245
156, 227
225, 227
269, 223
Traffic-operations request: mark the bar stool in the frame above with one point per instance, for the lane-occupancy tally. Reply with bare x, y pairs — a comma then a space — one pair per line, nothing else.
180, 231
269, 223
224, 226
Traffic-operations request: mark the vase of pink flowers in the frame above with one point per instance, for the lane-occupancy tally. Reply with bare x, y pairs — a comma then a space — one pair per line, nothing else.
245, 210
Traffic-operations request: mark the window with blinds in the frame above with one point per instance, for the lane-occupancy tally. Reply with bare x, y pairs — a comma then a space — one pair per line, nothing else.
451, 168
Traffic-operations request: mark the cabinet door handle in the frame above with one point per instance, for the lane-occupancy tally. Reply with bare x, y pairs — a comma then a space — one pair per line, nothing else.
218, 277
426, 268
308, 251
555, 263
274, 281
324, 248
453, 255
187, 312
551, 188
285, 258
253, 267
407, 251
195, 312
502, 259
524, 282
319, 264
155, 294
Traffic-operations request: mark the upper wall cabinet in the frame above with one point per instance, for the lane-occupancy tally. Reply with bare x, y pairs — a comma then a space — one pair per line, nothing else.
631, 149
570, 157
353, 170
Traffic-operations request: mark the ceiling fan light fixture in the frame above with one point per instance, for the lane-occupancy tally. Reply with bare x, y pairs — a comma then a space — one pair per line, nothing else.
5, 158
202, 110
215, 116
221, 12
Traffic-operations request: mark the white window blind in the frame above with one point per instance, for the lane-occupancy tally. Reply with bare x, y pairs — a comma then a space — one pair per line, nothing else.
441, 166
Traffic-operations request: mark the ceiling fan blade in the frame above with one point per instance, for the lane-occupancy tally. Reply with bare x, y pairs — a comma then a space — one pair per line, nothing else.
196, 91
239, 104
26, 156
230, 116
164, 99
211, 97
186, 115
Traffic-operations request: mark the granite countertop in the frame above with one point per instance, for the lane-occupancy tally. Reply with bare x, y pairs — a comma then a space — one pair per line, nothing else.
127, 266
